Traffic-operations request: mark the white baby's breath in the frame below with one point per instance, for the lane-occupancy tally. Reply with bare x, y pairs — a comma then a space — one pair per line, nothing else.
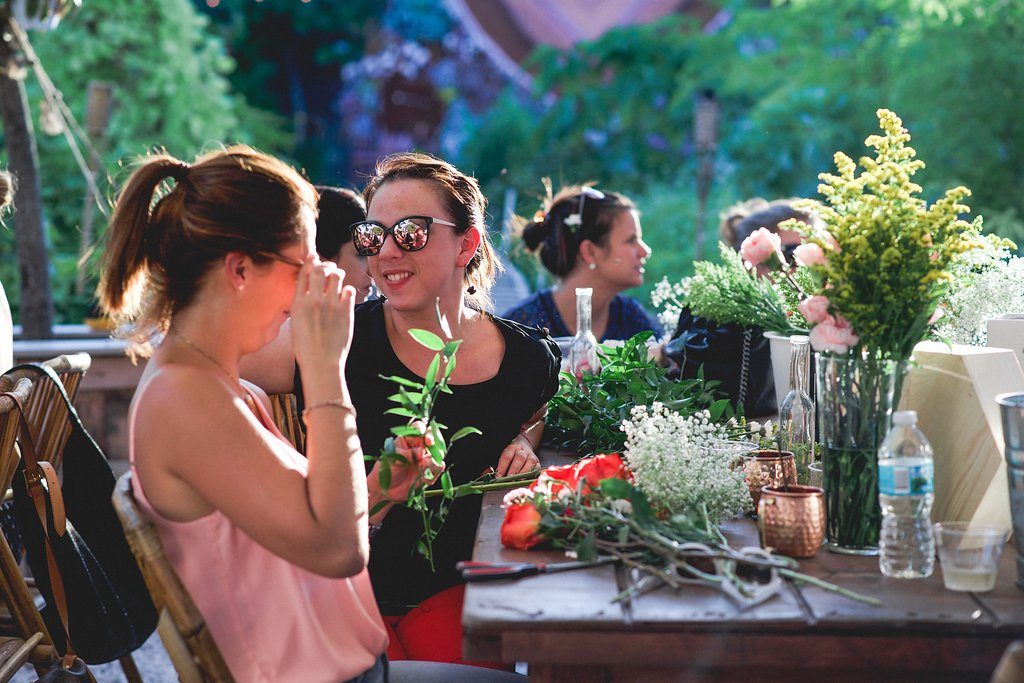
676, 465
976, 297
667, 297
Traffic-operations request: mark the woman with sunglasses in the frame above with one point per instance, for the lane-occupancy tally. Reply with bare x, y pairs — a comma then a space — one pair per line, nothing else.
427, 251
212, 257
588, 238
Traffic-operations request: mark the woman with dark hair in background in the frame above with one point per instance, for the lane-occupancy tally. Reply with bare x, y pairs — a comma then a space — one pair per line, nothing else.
739, 358
341, 208
588, 238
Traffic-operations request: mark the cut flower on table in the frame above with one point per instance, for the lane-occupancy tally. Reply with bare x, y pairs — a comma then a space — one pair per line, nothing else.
595, 508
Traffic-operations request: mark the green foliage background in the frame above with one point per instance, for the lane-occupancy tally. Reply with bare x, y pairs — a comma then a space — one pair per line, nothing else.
796, 80
170, 91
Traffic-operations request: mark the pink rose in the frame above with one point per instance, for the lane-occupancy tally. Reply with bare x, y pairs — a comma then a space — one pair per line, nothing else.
760, 246
833, 334
809, 254
814, 308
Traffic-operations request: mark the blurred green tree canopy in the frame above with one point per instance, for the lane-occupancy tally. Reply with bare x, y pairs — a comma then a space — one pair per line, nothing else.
170, 91
796, 81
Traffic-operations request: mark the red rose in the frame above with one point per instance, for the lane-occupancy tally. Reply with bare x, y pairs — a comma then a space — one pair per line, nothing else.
600, 467
521, 526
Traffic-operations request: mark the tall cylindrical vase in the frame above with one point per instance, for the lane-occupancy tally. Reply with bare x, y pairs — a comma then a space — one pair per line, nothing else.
854, 402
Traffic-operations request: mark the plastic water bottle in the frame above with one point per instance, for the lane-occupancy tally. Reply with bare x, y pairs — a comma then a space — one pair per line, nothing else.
906, 476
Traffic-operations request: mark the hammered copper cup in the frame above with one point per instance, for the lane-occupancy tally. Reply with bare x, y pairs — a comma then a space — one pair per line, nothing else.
768, 468
791, 519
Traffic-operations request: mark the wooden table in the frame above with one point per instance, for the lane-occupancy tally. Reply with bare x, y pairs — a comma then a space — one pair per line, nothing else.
568, 629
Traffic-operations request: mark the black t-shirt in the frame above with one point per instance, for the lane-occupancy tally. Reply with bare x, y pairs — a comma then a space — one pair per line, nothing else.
498, 407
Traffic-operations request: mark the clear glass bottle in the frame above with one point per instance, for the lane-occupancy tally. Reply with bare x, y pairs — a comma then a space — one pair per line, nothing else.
583, 358
796, 414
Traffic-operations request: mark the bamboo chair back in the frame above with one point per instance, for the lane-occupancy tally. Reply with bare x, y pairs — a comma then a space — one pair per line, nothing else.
286, 417
182, 628
45, 411
25, 620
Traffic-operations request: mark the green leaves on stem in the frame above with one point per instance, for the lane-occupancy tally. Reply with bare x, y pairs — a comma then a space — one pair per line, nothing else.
586, 416
416, 401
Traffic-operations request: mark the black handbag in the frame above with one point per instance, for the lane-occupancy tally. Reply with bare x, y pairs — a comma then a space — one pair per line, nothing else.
76, 547
739, 358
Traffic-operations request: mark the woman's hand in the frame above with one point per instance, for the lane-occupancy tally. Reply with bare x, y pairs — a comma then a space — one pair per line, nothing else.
417, 468
321, 316
517, 457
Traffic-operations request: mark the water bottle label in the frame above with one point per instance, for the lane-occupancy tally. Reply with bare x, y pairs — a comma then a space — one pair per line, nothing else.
906, 480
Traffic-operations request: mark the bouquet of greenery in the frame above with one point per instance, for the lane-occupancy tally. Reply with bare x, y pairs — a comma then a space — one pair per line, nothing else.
730, 292
586, 415
415, 401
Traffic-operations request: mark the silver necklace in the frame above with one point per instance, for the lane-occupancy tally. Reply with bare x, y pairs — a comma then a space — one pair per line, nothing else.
234, 380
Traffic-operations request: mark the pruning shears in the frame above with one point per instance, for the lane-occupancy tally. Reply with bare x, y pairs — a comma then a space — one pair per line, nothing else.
497, 571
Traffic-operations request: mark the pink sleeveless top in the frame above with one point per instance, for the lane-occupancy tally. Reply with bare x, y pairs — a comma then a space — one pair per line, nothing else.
272, 621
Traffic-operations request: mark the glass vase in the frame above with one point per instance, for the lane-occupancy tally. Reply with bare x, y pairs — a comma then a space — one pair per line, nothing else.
855, 398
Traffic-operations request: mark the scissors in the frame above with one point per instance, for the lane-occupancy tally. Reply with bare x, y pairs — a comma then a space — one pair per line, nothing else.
496, 571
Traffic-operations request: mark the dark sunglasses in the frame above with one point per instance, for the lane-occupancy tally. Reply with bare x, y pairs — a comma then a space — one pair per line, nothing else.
411, 234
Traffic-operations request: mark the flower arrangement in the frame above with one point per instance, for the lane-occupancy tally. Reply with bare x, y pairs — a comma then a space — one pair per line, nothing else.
731, 291
675, 463
881, 264
596, 510
987, 283
586, 414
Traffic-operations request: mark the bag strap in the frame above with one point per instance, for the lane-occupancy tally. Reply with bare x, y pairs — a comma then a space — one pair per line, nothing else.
39, 475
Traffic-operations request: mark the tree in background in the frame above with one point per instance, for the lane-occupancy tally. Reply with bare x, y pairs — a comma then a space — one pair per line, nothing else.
290, 56
170, 90
796, 80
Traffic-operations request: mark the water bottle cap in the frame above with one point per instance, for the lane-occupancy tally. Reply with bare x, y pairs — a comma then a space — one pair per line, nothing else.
904, 417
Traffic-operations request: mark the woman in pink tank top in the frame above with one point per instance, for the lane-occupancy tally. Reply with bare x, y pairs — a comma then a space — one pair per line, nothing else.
212, 257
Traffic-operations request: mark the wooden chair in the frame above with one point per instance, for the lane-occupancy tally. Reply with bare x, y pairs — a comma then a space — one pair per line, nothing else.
286, 417
182, 628
45, 412
15, 653
47, 418
24, 620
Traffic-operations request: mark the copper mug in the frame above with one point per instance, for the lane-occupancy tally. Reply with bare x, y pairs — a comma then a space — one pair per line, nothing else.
791, 519
768, 468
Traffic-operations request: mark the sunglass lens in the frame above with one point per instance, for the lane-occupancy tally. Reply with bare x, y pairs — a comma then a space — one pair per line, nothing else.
411, 234
367, 238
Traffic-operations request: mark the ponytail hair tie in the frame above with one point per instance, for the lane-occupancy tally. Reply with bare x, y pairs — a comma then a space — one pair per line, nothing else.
179, 171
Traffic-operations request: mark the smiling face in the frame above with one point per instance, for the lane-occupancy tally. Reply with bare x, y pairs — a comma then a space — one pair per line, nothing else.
412, 281
621, 260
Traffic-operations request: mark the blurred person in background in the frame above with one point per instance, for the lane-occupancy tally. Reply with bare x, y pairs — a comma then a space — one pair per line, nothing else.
739, 358
588, 238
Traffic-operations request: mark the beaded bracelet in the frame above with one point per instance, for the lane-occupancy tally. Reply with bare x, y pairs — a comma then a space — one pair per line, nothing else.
338, 403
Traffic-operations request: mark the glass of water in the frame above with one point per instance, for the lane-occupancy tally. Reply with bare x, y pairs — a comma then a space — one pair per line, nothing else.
969, 554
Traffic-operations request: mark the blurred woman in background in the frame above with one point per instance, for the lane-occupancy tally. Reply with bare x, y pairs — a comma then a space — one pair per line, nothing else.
588, 238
